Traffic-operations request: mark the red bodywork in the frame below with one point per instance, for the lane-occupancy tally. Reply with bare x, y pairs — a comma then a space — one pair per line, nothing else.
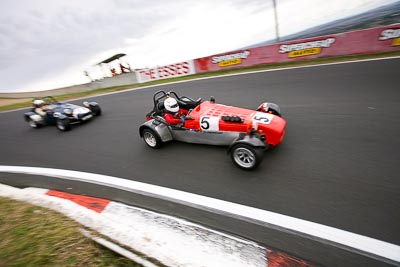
208, 116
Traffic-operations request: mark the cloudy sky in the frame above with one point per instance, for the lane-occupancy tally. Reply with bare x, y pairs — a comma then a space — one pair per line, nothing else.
47, 44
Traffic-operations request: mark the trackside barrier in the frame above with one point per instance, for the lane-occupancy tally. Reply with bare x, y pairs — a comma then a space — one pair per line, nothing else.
373, 40
164, 72
352, 242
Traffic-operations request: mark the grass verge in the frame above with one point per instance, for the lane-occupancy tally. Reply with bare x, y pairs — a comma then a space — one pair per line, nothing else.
24, 103
35, 236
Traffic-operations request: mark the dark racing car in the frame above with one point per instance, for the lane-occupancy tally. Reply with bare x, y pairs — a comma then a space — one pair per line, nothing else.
246, 132
48, 111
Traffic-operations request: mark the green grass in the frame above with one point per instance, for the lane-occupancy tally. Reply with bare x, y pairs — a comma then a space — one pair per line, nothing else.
34, 236
18, 105
24, 104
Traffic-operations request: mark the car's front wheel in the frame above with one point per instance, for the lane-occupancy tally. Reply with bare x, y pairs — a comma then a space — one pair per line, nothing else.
63, 125
151, 138
246, 156
96, 110
33, 124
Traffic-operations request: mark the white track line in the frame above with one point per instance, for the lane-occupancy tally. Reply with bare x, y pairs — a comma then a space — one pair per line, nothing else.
367, 246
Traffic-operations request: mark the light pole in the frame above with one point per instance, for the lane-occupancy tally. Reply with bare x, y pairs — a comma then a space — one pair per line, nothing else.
276, 21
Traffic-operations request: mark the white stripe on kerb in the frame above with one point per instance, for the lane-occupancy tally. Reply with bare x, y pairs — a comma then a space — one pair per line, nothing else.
361, 244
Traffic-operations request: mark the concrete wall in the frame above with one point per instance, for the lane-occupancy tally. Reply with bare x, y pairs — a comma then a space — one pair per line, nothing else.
122, 79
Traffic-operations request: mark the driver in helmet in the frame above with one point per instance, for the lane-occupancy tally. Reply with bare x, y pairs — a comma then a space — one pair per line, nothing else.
40, 107
174, 114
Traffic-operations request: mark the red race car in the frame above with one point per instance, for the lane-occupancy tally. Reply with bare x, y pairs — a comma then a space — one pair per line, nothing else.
246, 132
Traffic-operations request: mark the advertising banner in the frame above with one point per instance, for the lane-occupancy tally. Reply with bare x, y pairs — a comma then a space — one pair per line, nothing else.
235, 59
374, 40
164, 72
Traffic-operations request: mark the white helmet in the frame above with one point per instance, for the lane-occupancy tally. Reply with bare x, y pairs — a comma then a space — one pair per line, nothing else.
38, 102
171, 104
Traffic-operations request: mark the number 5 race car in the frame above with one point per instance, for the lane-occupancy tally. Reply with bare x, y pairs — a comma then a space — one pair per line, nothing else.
47, 111
246, 132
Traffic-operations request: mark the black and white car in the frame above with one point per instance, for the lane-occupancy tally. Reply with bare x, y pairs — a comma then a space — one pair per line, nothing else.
61, 114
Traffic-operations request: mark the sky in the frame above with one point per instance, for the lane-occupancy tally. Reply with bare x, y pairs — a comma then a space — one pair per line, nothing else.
47, 44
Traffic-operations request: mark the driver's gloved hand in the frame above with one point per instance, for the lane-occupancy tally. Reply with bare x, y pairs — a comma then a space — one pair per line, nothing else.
187, 117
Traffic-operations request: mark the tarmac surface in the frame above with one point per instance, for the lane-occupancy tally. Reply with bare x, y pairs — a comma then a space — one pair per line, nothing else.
338, 164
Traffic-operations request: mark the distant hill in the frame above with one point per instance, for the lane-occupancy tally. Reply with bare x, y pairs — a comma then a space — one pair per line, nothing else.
381, 16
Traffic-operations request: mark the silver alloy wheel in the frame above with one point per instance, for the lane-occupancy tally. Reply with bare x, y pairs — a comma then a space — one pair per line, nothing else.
33, 124
244, 157
150, 139
60, 125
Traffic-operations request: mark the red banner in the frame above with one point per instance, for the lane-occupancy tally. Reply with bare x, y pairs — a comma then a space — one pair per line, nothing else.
374, 40
164, 72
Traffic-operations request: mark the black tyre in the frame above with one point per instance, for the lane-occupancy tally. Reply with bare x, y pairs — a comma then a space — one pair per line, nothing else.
246, 156
96, 110
63, 125
151, 138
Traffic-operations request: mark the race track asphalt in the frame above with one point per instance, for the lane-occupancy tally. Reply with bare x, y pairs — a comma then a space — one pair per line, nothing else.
339, 164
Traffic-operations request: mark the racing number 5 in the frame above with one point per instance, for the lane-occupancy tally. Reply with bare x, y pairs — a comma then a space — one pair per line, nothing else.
264, 118
209, 123
204, 124
261, 119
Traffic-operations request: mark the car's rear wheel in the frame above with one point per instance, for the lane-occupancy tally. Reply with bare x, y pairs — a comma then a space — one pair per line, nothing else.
63, 125
246, 156
151, 138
